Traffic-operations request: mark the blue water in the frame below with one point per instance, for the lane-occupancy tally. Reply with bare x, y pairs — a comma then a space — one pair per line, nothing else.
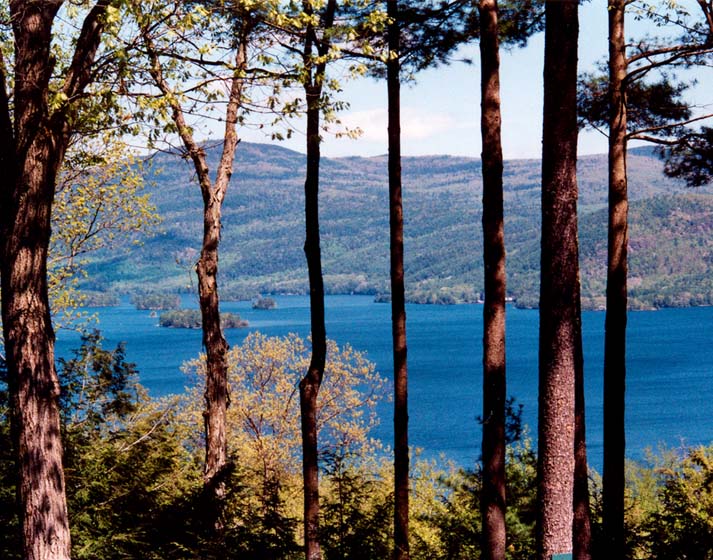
669, 382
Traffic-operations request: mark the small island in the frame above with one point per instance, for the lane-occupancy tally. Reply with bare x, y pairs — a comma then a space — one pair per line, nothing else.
191, 319
264, 303
156, 302
93, 298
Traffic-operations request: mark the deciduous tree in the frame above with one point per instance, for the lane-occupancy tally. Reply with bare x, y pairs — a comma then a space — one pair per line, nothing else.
193, 22
36, 124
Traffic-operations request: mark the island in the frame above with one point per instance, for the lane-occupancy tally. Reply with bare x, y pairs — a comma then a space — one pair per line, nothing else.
191, 319
264, 303
156, 301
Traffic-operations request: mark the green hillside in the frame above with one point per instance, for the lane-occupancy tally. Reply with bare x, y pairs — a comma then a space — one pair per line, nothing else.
261, 252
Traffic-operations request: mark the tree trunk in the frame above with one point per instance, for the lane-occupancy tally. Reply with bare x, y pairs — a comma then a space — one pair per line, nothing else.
615, 322
559, 287
34, 142
216, 382
310, 384
398, 304
494, 388
29, 344
582, 524
213, 193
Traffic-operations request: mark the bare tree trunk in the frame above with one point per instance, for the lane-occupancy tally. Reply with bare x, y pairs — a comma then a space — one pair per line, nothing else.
494, 384
310, 384
559, 288
34, 141
216, 383
582, 524
29, 343
398, 303
615, 322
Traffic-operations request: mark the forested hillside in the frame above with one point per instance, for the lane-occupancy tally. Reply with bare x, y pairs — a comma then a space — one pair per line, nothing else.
263, 230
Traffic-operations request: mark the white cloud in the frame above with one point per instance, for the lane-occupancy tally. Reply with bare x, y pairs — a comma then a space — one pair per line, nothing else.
417, 125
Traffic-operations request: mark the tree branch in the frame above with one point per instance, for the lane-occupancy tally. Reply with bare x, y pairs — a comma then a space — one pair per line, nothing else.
679, 53
79, 72
638, 134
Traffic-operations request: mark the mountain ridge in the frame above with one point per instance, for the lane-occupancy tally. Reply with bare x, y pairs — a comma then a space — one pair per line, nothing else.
263, 229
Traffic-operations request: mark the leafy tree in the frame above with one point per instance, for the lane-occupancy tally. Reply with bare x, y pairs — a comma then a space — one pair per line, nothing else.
194, 23
263, 431
632, 107
37, 122
690, 158
100, 204
560, 332
459, 523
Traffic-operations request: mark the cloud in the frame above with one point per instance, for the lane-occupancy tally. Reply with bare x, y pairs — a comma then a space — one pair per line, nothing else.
416, 124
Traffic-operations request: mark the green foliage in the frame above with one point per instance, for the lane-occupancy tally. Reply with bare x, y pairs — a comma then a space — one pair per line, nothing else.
458, 522
191, 319
691, 159
10, 542
100, 205
357, 510
94, 298
134, 472
681, 525
654, 107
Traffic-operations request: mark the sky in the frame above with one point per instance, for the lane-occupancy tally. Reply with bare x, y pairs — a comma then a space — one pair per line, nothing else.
441, 111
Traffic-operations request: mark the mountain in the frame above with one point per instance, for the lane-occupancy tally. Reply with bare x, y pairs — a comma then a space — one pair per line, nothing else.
671, 232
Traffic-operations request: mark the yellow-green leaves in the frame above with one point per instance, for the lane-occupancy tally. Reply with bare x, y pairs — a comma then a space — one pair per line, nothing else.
100, 204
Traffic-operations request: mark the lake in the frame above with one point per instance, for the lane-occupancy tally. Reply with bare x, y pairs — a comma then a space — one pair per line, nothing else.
669, 382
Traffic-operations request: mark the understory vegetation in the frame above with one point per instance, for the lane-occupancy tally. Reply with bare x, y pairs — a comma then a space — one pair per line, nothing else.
134, 467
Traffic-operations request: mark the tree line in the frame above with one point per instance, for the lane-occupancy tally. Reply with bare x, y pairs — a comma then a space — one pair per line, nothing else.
74, 71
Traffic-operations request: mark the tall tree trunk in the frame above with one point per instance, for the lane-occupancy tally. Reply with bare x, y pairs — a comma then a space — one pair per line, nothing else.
34, 142
494, 388
615, 322
216, 391
213, 193
559, 287
398, 303
582, 523
29, 343
310, 384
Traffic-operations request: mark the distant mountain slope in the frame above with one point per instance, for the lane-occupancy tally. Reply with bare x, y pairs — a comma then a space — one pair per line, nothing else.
263, 229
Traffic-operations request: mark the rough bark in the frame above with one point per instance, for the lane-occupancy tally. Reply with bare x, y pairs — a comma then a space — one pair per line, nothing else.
311, 382
34, 142
494, 387
398, 302
29, 344
559, 288
615, 322
213, 193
